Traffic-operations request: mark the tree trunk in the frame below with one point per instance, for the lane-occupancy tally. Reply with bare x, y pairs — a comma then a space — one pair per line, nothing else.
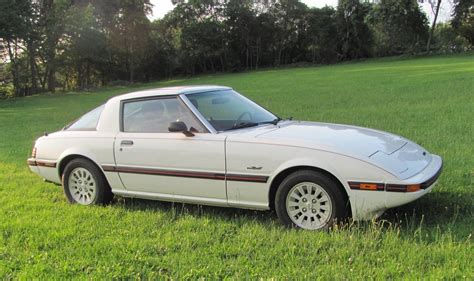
257, 58
247, 58
433, 26
33, 71
222, 63
51, 79
132, 72
280, 50
51, 63
88, 75
14, 70
80, 76
51, 69
212, 64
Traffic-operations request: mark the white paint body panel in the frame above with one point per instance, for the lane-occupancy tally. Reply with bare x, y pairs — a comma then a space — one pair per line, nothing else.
173, 151
348, 153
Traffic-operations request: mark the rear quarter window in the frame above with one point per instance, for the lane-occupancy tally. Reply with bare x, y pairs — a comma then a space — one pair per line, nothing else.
88, 121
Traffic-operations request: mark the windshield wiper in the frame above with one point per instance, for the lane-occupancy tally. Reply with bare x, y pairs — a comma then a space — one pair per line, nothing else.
253, 124
243, 125
274, 121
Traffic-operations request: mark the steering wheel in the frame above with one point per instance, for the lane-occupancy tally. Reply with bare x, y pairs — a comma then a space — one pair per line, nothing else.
242, 116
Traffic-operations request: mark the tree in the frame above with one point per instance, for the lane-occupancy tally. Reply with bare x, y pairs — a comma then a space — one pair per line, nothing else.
321, 28
463, 20
447, 40
355, 39
435, 5
87, 43
51, 22
398, 26
289, 22
14, 27
241, 24
164, 49
82, 49
129, 34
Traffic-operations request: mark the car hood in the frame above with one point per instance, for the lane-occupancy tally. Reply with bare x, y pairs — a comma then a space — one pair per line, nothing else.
393, 153
355, 140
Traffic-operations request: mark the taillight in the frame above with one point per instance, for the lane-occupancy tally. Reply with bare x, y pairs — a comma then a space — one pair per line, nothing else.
33, 153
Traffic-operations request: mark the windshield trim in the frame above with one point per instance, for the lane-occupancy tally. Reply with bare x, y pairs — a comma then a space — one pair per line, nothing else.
196, 112
209, 125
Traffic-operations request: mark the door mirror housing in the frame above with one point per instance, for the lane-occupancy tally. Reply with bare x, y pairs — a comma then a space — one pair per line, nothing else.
179, 126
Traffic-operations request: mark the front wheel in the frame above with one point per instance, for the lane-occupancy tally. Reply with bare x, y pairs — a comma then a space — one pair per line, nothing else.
85, 184
309, 200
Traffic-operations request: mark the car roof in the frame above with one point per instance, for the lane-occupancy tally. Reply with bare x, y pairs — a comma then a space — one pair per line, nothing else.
170, 91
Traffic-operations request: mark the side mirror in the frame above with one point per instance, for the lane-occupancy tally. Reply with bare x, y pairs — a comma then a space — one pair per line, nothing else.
179, 126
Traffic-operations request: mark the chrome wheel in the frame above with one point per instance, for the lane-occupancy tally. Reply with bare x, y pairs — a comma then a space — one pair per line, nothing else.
309, 206
82, 186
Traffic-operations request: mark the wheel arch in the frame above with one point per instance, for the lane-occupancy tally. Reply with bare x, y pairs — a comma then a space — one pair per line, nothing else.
68, 158
276, 181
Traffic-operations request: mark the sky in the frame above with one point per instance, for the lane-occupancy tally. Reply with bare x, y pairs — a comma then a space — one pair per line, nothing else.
161, 7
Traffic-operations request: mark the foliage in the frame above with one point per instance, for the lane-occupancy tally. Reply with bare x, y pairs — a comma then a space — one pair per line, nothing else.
463, 20
355, 39
428, 100
447, 40
51, 44
399, 27
321, 27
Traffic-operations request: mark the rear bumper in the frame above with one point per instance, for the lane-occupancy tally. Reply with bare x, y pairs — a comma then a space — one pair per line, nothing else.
41, 163
32, 164
45, 168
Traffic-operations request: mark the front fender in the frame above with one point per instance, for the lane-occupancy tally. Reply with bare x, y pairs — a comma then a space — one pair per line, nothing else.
344, 168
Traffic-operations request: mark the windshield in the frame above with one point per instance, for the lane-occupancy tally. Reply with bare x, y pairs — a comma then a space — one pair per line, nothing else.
227, 110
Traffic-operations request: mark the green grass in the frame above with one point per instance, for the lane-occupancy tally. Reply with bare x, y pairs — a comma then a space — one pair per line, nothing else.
429, 100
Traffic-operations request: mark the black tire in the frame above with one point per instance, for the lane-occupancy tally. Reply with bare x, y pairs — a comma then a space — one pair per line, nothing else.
103, 193
337, 199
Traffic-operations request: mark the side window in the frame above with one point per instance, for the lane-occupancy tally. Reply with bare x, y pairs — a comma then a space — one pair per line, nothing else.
155, 115
88, 122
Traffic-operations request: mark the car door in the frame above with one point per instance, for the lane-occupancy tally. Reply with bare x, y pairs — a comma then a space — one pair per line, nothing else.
151, 160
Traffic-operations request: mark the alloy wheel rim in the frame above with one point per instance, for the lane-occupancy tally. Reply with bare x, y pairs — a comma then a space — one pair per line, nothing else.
82, 186
309, 206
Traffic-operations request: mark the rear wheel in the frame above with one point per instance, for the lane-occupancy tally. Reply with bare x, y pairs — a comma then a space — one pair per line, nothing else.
309, 200
85, 184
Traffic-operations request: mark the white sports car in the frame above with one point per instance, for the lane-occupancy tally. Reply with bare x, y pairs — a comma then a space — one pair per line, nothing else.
210, 145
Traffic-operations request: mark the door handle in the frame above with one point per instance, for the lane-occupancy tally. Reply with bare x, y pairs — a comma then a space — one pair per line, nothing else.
126, 142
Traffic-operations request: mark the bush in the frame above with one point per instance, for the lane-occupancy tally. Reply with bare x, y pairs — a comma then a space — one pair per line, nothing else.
447, 40
6, 90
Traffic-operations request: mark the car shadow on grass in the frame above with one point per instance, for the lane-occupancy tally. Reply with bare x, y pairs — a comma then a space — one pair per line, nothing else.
178, 210
436, 208
434, 215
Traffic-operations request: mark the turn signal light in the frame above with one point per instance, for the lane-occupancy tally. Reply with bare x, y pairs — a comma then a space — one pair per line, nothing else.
368, 186
413, 187
33, 153
382, 187
403, 188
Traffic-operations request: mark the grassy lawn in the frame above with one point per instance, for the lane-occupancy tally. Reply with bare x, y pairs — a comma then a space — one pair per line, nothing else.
429, 100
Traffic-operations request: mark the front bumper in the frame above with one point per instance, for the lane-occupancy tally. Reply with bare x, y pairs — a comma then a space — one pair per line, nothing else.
427, 179
367, 204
